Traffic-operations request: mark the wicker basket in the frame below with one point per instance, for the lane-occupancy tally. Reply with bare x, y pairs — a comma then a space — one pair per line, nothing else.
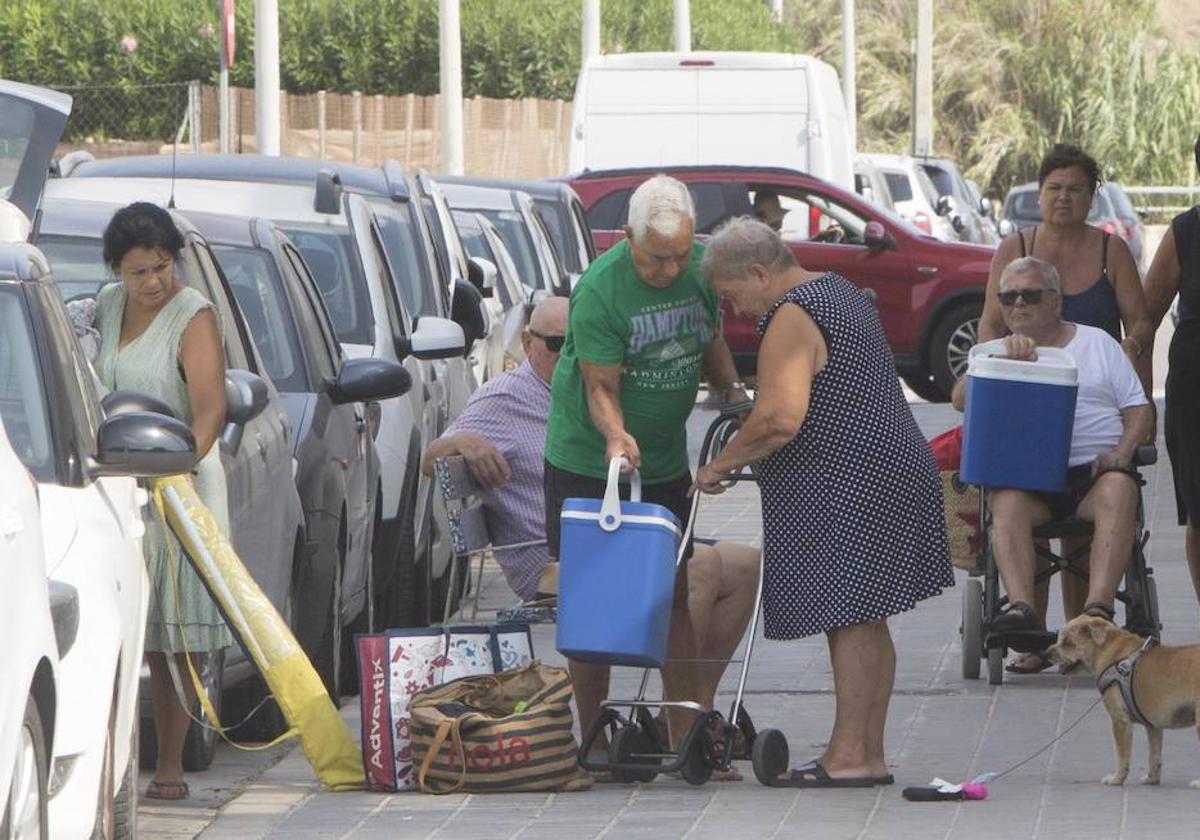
962, 522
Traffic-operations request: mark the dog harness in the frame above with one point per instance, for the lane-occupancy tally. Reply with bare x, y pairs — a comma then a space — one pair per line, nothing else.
1121, 674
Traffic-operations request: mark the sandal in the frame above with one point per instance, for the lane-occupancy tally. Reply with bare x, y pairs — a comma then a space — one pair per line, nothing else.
1028, 663
1019, 616
1096, 609
814, 775
171, 791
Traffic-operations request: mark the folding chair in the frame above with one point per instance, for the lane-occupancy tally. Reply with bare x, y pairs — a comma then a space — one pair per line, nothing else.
469, 533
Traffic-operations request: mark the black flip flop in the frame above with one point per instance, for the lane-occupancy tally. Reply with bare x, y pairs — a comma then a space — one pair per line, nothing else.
814, 775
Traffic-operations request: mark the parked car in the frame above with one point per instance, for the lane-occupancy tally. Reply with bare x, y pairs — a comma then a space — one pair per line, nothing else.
929, 293
520, 225
415, 246
711, 108
340, 240
1021, 210
1130, 218
914, 195
76, 594
871, 183
281, 303
967, 211
29, 659
255, 447
560, 210
987, 210
507, 295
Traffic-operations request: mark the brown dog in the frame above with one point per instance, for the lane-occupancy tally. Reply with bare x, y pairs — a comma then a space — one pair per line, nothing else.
1166, 686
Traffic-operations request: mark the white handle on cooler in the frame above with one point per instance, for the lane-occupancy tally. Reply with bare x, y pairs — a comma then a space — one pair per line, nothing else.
610, 509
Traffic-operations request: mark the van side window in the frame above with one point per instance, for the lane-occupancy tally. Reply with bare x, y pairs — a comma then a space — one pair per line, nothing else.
610, 212
899, 186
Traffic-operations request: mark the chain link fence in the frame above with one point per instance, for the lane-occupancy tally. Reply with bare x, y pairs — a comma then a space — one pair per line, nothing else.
514, 138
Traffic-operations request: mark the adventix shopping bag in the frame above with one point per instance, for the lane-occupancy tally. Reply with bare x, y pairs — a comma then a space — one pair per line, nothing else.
395, 665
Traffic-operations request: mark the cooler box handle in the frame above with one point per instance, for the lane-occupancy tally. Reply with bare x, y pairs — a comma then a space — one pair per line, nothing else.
610, 510
1054, 365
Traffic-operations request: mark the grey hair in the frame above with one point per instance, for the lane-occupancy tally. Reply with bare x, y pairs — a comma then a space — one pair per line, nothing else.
741, 243
660, 204
1032, 265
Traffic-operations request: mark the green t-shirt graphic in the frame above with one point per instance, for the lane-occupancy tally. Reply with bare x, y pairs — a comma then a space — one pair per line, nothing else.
659, 337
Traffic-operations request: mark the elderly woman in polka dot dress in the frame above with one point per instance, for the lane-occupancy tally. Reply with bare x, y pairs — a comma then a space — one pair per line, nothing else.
853, 530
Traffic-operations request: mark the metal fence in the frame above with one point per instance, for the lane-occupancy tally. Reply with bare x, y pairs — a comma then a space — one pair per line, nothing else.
131, 119
1153, 199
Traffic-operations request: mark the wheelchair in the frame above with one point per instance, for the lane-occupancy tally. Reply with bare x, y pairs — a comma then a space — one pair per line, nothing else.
983, 601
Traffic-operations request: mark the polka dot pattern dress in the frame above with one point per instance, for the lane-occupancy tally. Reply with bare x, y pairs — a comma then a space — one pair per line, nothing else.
853, 529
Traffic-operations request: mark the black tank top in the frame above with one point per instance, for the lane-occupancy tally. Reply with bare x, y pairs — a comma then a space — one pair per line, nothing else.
1183, 371
1095, 306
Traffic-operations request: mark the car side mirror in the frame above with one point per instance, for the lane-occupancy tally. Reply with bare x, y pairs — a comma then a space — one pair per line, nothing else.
435, 338
1006, 227
957, 223
876, 237
246, 396
142, 444
122, 402
943, 205
466, 310
985, 206
482, 274
366, 380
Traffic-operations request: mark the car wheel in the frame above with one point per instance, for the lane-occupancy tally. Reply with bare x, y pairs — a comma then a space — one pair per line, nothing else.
25, 811
921, 384
327, 658
950, 343
126, 801
200, 746
402, 601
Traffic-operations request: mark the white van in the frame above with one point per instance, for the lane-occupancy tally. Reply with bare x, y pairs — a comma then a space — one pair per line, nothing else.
703, 108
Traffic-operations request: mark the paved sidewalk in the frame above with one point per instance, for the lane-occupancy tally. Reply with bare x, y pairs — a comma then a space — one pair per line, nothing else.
939, 725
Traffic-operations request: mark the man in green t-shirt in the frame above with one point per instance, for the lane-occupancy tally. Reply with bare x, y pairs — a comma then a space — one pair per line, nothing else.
643, 326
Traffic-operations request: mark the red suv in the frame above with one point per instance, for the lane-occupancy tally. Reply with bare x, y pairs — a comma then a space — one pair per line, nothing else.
929, 293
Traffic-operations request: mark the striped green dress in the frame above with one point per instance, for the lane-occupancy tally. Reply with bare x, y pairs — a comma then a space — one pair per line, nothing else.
182, 614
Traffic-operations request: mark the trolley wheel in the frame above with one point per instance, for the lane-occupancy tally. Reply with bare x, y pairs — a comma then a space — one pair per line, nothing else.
972, 628
769, 756
696, 768
629, 745
995, 666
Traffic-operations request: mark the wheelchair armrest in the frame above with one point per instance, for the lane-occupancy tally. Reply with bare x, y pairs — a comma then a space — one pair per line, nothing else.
1145, 455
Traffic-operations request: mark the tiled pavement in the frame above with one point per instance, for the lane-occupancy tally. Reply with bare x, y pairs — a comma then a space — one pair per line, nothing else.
939, 725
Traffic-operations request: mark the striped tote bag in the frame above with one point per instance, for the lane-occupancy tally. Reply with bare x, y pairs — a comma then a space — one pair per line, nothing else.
503, 732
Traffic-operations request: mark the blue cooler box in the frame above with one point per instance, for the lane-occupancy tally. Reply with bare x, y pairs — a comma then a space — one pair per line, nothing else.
616, 581
1019, 415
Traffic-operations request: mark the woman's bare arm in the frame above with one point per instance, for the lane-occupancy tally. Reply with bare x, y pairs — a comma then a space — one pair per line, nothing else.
203, 361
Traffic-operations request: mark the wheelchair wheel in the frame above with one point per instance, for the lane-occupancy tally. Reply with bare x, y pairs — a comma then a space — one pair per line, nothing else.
972, 628
769, 756
995, 666
630, 745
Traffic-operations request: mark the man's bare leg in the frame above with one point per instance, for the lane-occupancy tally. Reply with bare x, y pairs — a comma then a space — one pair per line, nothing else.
679, 675
591, 689
729, 614
1111, 505
1015, 513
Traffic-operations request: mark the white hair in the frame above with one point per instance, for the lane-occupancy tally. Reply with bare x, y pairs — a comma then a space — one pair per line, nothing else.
660, 204
1032, 265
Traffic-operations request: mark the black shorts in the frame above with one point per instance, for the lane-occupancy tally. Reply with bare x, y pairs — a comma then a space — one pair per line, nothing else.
560, 485
1064, 503
1183, 446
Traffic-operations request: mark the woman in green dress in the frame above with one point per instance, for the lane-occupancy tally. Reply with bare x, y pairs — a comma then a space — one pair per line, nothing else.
160, 337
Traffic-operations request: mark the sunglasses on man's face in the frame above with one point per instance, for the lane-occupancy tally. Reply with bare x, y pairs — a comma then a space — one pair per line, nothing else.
554, 343
1031, 296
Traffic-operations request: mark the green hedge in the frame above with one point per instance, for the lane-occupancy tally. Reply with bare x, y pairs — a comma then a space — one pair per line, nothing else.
1011, 77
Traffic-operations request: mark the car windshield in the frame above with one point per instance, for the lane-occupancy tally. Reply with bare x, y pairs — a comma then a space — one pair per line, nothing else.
511, 227
22, 401
331, 259
942, 180
258, 288
79, 269
410, 268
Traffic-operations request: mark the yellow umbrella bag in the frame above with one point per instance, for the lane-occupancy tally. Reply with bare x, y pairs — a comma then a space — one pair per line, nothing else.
267, 640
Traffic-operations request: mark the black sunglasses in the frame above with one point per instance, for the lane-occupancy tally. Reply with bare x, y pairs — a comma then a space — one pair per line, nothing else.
554, 343
1030, 296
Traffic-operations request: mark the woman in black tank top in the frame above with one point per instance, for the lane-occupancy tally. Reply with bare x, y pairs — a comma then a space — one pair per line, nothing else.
1176, 270
1067, 181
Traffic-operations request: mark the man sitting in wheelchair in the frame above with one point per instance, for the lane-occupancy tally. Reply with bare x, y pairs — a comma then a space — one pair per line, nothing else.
1112, 418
